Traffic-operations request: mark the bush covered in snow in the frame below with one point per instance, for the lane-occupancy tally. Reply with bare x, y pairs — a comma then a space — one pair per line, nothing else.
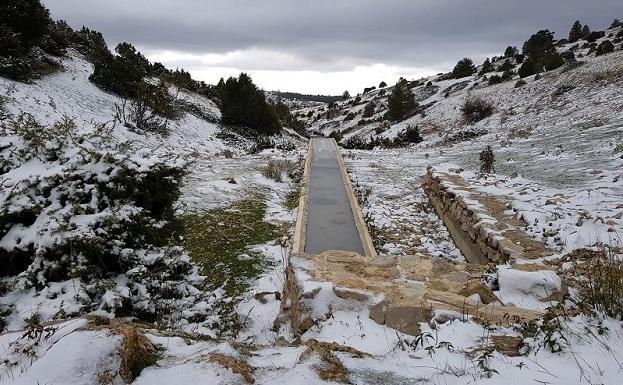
410, 135
26, 33
78, 206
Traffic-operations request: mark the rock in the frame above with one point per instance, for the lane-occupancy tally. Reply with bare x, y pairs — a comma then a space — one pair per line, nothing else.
311, 294
345, 293
508, 345
305, 325
261, 296
405, 319
527, 289
478, 287
530, 267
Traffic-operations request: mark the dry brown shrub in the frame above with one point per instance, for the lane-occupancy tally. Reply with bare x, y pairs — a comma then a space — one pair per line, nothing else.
603, 291
227, 153
235, 365
136, 353
275, 169
520, 133
333, 369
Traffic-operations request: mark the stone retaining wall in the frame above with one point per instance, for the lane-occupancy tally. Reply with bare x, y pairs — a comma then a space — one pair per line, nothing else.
472, 228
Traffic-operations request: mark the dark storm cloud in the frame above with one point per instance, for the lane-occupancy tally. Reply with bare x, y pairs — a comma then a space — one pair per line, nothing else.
334, 35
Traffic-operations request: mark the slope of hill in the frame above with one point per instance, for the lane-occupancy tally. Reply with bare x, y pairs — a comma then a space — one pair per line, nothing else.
71, 94
588, 80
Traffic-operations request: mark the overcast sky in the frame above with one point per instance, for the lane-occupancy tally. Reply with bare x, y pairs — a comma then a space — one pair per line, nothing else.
326, 46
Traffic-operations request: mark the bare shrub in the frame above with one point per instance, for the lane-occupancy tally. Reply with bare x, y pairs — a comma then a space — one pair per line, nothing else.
519, 133
138, 115
227, 153
136, 353
275, 169
235, 365
603, 291
476, 109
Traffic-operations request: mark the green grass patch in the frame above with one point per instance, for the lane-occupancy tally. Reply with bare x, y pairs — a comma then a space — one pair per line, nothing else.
292, 199
219, 239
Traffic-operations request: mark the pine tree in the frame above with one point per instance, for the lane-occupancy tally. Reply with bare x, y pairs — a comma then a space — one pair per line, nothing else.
486, 67
465, 67
401, 102
586, 31
605, 47
575, 33
242, 103
346, 95
511, 52
368, 111
538, 43
541, 54
28, 19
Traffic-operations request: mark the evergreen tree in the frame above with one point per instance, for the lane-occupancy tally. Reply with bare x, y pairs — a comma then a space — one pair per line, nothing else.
368, 111
23, 25
575, 33
538, 43
410, 135
29, 20
616, 24
486, 67
382, 85
605, 47
541, 54
346, 95
465, 67
511, 52
506, 66
91, 44
586, 31
122, 73
242, 103
401, 102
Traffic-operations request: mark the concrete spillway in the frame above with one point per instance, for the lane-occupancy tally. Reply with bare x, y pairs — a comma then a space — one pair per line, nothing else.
330, 221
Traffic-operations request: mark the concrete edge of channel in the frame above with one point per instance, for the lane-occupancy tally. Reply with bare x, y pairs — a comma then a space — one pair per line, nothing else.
366, 239
298, 245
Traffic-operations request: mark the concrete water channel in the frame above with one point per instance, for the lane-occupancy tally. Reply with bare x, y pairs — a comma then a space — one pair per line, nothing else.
331, 222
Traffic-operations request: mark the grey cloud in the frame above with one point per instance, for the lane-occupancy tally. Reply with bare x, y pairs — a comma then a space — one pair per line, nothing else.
334, 35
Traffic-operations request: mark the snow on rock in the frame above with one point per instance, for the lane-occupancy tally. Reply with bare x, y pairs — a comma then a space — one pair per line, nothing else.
533, 290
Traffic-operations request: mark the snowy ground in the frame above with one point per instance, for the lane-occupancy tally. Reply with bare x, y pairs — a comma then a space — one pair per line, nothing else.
557, 163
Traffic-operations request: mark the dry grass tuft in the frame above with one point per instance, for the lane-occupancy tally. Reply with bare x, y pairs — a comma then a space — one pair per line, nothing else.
227, 153
235, 365
275, 169
519, 133
320, 346
603, 291
136, 352
333, 369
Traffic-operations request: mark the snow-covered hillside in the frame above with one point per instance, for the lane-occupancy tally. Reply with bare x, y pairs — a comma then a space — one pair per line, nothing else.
70, 93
